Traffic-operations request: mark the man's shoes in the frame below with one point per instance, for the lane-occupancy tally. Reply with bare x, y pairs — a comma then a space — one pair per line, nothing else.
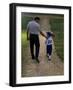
37, 60
33, 57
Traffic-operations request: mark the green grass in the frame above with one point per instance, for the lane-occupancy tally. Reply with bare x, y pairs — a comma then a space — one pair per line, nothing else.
24, 39
24, 47
57, 26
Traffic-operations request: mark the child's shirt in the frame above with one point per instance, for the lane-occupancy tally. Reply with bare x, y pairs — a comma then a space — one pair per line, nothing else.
49, 41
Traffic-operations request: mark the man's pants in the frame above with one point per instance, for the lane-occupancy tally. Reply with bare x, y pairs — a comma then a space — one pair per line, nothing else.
34, 40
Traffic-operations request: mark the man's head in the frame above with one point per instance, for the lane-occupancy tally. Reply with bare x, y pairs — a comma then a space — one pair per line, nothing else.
37, 19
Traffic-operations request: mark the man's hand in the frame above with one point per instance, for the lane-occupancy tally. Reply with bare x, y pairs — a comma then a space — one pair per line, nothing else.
28, 38
43, 34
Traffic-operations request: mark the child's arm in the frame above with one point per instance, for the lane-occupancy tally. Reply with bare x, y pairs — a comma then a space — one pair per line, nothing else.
53, 35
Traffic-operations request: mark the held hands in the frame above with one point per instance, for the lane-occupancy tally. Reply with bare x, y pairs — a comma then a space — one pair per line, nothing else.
46, 36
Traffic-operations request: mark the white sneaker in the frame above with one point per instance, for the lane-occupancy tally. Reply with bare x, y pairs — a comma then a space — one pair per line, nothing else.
50, 57
47, 55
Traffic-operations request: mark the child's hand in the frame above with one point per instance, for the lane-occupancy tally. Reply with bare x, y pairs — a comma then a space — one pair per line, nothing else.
46, 37
53, 34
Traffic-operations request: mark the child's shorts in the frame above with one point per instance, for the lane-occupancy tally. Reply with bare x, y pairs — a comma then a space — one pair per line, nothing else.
49, 49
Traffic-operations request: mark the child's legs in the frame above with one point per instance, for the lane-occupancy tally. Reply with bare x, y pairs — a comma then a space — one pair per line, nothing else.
49, 49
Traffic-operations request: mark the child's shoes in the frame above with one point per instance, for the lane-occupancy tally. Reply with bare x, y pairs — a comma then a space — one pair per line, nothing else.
49, 58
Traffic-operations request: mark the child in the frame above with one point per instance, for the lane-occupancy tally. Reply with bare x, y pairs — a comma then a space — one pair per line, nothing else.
49, 43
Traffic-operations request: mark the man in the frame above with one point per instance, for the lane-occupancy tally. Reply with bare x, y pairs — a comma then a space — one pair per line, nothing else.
33, 30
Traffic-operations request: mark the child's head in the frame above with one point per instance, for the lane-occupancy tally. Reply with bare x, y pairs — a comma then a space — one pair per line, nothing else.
48, 34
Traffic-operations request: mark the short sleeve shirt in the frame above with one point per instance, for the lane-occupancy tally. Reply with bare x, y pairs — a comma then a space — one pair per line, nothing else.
33, 27
49, 41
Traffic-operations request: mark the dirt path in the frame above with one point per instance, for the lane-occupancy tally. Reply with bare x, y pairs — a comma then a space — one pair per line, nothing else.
45, 67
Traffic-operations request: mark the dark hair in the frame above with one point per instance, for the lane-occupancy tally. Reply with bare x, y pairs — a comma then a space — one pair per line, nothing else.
48, 34
36, 18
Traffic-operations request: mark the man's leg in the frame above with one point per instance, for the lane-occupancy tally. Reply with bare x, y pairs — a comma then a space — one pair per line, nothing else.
37, 47
32, 46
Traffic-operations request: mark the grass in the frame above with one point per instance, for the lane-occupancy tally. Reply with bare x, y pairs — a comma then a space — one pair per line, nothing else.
24, 44
24, 50
57, 26
24, 39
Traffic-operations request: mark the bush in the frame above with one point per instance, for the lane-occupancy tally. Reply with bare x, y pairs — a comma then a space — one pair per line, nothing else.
24, 22
57, 26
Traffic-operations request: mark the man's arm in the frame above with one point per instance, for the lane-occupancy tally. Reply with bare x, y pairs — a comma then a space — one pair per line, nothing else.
27, 35
28, 32
43, 34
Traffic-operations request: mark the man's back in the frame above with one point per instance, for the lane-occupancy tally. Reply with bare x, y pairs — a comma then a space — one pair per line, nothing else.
33, 27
